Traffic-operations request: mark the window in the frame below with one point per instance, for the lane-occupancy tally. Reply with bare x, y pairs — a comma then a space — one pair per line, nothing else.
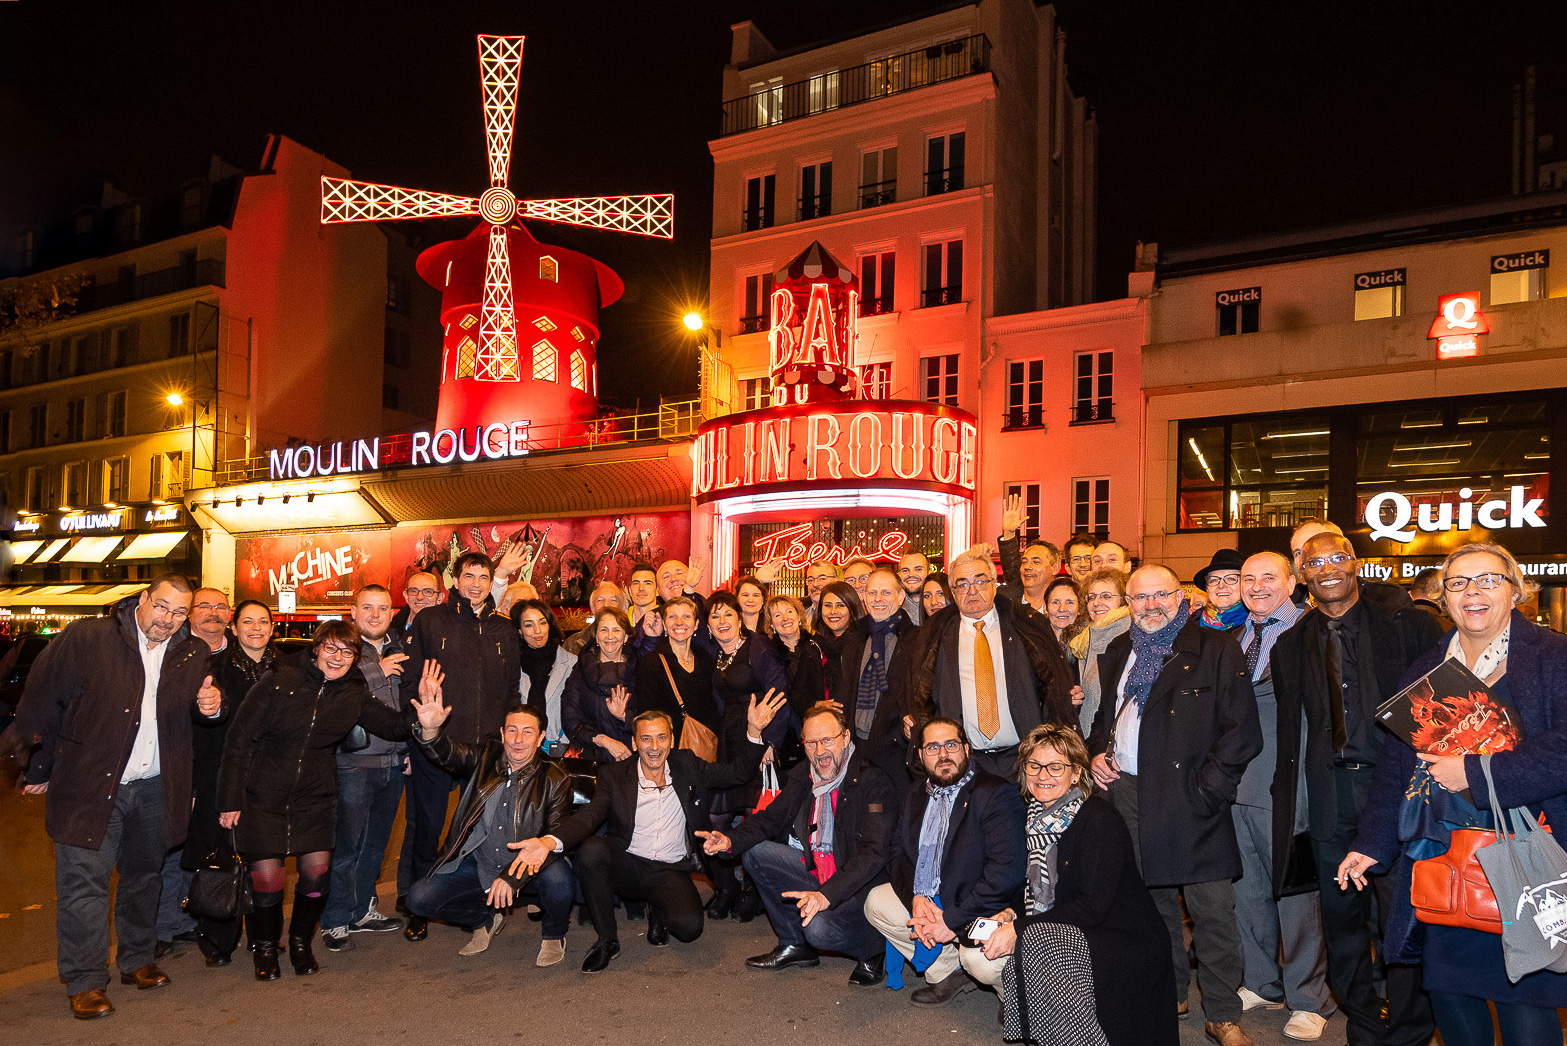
549, 269
544, 362
1025, 394
757, 392
116, 478
1519, 276
768, 98
943, 273
396, 351
1268, 470
876, 281
166, 476
5, 432
1029, 492
579, 371
155, 474
1093, 387
759, 202
389, 396
38, 425
816, 190
84, 359
76, 484
821, 91
1379, 295
34, 496
396, 294
1091, 506
114, 425
944, 164
133, 223
754, 310
179, 334
75, 420
467, 357
876, 380
1238, 310
122, 346
939, 375
879, 177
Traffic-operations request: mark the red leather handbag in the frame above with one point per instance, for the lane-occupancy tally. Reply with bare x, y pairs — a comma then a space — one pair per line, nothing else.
1452, 890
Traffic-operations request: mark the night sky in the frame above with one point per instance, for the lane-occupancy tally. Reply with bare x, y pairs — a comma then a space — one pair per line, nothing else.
1216, 119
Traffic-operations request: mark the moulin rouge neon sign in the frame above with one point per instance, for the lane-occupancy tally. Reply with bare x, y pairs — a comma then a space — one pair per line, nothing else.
789, 546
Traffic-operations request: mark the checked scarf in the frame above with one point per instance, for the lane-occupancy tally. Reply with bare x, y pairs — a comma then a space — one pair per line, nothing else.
873, 681
1152, 650
1042, 831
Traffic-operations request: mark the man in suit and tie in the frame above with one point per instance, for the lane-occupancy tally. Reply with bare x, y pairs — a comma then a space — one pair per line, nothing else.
1176, 728
957, 855
982, 663
650, 805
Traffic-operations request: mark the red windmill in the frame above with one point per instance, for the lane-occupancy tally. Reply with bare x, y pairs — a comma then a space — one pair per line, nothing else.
494, 355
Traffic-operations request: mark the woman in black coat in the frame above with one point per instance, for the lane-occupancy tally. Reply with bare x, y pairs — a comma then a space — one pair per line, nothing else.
277, 786
235, 671
783, 618
1087, 960
675, 657
599, 703
840, 608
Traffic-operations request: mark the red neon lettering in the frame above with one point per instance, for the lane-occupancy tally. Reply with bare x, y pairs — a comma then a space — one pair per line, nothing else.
721, 478
789, 545
780, 341
819, 340
821, 439
968, 437
944, 464
865, 435
775, 451
748, 467
905, 441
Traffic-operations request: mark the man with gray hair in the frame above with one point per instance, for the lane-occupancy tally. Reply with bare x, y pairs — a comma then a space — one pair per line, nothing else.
605, 594
1176, 728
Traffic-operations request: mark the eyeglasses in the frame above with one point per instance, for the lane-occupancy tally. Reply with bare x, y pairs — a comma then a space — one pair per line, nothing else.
813, 746
1485, 581
1148, 597
211, 606
1337, 559
421, 592
1034, 769
967, 585
938, 747
1101, 597
337, 651
177, 613
1227, 580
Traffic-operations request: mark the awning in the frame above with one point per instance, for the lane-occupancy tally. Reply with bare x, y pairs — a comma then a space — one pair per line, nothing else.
152, 546
66, 595
21, 550
91, 550
53, 550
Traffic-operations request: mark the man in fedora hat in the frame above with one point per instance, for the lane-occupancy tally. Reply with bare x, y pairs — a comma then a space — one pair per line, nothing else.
1221, 580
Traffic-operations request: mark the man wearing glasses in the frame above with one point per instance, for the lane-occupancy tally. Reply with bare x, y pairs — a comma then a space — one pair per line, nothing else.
957, 856
818, 850
1341, 660
998, 672
421, 592
1176, 728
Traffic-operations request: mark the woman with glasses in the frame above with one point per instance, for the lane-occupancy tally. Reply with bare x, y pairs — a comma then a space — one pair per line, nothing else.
1416, 801
1104, 600
277, 786
1086, 961
1220, 584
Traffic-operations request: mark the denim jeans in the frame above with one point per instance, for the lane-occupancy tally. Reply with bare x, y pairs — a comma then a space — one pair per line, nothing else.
367, 798
133, 844
456, 895
776, 867
172, 919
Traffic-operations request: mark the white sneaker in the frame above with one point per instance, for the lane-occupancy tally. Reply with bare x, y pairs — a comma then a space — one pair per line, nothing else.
482, 936
1305, 1025
1250, 1000
550, 952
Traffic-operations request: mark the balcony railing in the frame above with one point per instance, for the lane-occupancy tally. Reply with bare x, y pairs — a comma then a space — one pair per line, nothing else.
1089, 412
1023, 418
882, 78
756, 218
933, 296
877, 194
949, 179
876, 306
815, 207
752, 324
152, 284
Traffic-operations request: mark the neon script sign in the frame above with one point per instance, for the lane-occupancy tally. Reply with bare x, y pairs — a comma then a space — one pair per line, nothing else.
1496, 514
789, 546
914, 445
442, 447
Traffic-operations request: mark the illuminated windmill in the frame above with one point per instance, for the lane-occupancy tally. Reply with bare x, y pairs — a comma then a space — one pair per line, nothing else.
496, 355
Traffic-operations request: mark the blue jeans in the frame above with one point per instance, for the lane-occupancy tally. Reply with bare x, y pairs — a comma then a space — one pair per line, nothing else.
172, 919
1464, 1021
367, 798
775, 868
456, 895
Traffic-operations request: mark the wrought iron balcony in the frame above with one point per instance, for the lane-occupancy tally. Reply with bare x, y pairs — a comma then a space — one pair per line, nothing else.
842, 88
752, 324
152, 284
819, 206
876, 306
878, 194
947, 180
933, 296
1090, 412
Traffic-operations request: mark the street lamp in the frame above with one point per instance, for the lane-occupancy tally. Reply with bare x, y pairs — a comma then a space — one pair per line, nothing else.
694, 321
715, 378
174, 399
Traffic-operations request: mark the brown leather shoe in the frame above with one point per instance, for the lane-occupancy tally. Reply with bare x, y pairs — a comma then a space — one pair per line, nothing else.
145, 977
1227, 1033
86, 1006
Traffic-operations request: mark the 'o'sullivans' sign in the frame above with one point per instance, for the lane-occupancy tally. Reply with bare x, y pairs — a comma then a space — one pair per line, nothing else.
1496, 514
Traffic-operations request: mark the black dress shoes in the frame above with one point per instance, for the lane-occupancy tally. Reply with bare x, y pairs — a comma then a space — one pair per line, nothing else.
869, 972
721, 904
600, 955
748, 905
657, 932
785, 955
943, 991
417, 929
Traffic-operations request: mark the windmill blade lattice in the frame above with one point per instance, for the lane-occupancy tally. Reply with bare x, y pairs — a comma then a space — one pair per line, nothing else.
643, 215
344, 200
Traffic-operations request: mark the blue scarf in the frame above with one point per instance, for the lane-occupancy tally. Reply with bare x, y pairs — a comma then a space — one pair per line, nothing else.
1152, 650
873, 681
1225, 619
933, 834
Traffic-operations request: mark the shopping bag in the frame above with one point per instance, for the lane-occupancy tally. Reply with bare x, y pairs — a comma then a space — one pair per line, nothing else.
769, 788
1528, 872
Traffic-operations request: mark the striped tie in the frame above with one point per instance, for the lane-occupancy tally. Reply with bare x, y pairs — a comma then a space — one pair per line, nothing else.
987, 713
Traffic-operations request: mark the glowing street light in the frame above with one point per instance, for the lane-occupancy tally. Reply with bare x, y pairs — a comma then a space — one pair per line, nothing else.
694, 321
175, 399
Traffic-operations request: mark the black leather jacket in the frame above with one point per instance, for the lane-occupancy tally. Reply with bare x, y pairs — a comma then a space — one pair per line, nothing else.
543, 794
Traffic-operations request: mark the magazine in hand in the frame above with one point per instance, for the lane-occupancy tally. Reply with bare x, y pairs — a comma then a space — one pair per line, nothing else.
1450, 711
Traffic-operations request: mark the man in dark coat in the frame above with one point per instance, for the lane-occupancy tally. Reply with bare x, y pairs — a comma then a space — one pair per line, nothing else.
1330, 671
1176, 728
957, 855
650, 807
997, 671
477, 649
109, 706
875, 650
818, 849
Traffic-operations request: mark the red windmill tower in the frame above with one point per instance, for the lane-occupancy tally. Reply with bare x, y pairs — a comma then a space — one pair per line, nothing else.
499, 280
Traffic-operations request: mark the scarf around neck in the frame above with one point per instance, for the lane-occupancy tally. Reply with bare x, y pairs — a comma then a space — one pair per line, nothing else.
1079, 644
822, 816
1225, 619
537, 665
1492, 656
873, 681
1042, 832
933, 833
1152, 650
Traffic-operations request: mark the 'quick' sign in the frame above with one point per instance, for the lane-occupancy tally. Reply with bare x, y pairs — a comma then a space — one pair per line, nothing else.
1497, 514
1237, 297
1520, 260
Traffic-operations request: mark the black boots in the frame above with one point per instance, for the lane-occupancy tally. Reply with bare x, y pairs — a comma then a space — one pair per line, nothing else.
265, 925
302, 931
749, 904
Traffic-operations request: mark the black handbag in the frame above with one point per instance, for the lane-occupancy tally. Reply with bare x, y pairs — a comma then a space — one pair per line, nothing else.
221, 887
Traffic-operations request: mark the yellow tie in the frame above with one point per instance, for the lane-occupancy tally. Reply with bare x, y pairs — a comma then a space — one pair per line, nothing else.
987, 714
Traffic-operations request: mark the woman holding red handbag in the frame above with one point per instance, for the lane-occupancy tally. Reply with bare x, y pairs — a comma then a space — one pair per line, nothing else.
1415, 806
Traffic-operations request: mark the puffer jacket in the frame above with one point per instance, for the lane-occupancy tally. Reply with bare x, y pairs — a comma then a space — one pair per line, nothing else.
478, 653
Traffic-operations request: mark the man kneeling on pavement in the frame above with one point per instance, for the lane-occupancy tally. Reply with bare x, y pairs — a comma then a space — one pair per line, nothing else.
957, 856
513, 793
818, 849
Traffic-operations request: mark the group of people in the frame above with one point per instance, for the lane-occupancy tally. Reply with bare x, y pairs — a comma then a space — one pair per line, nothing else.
1022, 781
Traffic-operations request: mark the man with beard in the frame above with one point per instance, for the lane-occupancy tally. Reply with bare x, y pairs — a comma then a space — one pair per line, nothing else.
957, 855
818, 849
1170, 745
1079, 555
913, 568
421, 592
